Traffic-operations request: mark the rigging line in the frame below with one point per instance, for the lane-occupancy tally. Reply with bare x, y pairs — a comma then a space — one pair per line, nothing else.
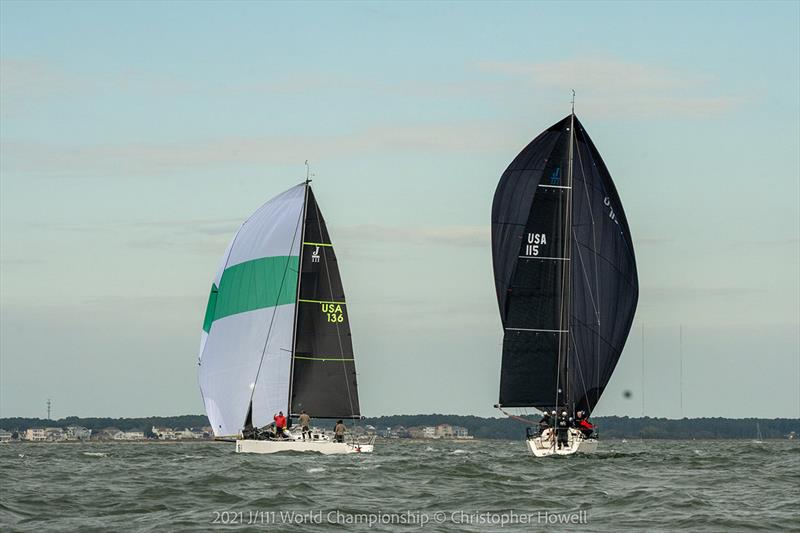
566, 252
608, 261
596, 279
580, 370
594, 235
586, 277
568, 265
579, 322
296, 316
338, 332
275, 307
518, 418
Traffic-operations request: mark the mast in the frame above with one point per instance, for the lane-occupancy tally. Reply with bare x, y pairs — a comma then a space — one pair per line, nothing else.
568, 255
297, 295
680, 341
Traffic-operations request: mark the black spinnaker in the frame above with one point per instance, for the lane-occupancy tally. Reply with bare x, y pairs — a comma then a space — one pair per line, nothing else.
324, 374
565, 272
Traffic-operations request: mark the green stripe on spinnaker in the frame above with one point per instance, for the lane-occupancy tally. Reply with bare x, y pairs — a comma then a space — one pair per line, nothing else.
212, 305
256, 284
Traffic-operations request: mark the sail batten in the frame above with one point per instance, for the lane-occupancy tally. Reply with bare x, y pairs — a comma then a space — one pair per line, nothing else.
565, 272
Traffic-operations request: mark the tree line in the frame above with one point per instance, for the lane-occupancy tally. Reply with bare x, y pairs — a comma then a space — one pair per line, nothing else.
481, 428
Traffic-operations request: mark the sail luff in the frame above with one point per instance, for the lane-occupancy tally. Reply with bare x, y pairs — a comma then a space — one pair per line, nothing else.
297, 299
567, 383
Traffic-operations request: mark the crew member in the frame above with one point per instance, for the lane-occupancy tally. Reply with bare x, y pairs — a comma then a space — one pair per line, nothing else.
338, 431
562, 430
585, 427
545, 422
280, 425
305, 421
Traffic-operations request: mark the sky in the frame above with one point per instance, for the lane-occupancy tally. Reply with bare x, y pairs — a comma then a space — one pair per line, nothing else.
136, 136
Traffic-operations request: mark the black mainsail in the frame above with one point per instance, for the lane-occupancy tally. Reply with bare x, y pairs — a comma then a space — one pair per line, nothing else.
565, 272
323, 374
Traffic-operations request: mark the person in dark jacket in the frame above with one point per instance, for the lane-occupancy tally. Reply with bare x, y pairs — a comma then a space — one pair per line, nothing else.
562, 430
545, 422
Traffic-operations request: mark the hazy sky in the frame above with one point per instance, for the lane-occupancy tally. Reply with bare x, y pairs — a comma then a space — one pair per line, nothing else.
134, 138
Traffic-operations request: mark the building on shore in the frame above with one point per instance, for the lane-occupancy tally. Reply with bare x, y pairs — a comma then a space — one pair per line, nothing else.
128, 435
44, 434
442, 431
77, 433
5, 436
35, 434
164, 433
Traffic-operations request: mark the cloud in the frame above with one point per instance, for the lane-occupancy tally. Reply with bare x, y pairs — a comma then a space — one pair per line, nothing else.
609, 86
26, 83
143, 159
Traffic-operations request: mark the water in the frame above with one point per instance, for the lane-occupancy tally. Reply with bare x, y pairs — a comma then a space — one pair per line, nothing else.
638, 486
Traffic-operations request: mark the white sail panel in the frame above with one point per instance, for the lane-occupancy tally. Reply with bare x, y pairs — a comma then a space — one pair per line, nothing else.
270, 231
272, 387
229, 372
249, 318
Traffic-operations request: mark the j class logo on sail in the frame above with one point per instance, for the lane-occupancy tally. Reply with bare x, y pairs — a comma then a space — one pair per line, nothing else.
533, 242
611, 215
333, 312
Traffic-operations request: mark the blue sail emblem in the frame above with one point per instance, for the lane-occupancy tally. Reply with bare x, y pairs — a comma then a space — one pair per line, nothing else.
555, 177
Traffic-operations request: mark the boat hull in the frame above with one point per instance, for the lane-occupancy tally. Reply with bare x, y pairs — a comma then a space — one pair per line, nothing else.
545, 445
323, 447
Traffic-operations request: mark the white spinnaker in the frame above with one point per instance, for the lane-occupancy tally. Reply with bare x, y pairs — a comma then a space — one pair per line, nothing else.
248, 354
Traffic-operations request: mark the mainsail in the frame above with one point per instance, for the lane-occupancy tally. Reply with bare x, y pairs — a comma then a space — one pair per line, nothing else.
260, 350
565, 272
324, 377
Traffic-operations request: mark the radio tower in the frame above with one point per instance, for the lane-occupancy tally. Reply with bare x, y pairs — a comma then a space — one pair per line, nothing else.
49, 403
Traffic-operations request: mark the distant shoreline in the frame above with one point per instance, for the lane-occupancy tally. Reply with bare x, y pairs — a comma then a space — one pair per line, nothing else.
612, 427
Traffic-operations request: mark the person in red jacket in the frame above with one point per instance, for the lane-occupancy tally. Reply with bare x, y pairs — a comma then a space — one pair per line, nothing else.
584, 425
280, 424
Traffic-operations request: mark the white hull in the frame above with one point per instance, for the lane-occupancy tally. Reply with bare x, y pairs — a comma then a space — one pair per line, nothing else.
323, 447
545, 445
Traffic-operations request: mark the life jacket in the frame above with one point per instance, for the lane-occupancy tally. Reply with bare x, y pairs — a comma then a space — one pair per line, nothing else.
585, 424
280, 422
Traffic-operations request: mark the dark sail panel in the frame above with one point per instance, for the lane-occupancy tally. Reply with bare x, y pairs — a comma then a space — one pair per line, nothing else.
605, 282
324, 374
566, 316
511, 207
528, 220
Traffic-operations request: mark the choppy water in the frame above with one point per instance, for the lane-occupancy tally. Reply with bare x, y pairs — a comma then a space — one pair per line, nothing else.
442, 486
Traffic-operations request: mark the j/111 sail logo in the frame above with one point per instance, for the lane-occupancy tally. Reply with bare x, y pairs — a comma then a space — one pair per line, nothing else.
611, 214
315, 255
534, 241
333, 312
